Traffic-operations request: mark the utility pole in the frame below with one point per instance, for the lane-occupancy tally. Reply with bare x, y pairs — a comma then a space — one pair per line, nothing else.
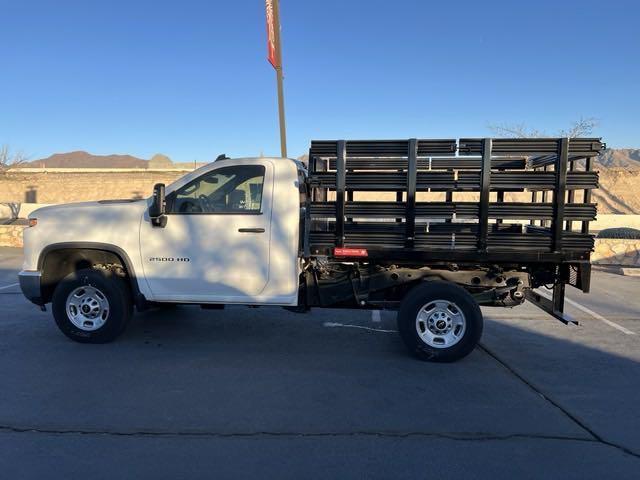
274, 49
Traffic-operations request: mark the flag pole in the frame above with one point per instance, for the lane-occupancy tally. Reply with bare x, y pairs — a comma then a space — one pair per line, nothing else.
275, 58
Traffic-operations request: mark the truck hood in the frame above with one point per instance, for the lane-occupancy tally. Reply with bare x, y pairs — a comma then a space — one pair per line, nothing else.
113, 223
65, 210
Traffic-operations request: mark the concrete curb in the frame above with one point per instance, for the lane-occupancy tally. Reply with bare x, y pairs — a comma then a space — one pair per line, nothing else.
630, 271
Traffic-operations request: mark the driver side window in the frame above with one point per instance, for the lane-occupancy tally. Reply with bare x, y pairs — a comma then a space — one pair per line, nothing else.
234, 189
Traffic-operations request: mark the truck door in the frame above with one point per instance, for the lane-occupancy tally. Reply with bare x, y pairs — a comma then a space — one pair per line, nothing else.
215, 245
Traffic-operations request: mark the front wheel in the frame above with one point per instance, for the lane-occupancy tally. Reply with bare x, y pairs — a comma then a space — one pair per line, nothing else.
92, 306
440, 322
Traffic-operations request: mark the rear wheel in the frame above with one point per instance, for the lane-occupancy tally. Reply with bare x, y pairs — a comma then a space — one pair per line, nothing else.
92, 306
440, 322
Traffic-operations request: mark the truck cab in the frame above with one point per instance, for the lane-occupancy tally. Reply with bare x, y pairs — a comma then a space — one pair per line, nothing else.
229, 234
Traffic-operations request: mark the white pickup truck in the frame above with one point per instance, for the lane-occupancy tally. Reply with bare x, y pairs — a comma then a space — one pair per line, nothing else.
265, 231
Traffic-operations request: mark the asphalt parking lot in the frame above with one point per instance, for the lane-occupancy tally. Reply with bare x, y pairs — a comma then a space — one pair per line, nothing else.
265, 393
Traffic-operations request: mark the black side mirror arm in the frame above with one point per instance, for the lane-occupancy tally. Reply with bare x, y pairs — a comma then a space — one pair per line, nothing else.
157, 209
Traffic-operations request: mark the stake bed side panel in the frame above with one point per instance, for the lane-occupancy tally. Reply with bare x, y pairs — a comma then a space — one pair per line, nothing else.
350, 181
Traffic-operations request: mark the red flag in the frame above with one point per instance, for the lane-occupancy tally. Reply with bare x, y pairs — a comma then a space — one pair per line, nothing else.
272, 55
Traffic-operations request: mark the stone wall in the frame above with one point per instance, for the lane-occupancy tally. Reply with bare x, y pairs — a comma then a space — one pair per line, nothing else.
66, 186
73, 185
618, 193
611, 251
11, 235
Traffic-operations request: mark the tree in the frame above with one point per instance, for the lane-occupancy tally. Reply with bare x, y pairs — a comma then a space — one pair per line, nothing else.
9, 160
583, 127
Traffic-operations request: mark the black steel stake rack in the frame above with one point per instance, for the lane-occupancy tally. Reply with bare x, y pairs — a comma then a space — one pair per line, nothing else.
489, 230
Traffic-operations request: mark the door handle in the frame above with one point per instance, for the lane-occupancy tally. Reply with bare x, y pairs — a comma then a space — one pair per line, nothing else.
251, 230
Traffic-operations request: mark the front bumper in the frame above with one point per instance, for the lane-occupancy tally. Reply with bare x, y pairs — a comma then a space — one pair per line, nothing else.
30, 286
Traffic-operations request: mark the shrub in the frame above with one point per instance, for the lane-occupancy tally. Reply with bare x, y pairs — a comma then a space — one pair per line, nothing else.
620, 232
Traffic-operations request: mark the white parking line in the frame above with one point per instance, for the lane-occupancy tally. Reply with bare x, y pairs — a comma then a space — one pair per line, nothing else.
375, 316
597, 316
345, 325
9, 286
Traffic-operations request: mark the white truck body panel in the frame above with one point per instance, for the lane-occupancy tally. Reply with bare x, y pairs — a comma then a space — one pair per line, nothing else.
115, 224
223, 266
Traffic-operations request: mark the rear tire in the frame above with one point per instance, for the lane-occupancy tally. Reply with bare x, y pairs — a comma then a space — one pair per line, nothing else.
440, 322
92, 306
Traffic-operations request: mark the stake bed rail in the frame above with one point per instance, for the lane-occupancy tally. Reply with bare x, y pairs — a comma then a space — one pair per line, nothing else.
351, 205
345, 170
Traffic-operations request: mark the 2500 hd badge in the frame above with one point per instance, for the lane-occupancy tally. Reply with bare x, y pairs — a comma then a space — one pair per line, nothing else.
169, 259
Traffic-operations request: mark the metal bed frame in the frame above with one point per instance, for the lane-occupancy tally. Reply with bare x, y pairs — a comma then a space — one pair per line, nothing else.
554, 170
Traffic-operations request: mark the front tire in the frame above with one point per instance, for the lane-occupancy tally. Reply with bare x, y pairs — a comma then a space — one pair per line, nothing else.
440, 322
92, 306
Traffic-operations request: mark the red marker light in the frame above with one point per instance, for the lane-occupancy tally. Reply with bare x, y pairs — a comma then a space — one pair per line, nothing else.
350, 252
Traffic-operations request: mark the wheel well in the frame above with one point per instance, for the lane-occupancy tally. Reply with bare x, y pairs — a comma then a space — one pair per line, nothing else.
59, 263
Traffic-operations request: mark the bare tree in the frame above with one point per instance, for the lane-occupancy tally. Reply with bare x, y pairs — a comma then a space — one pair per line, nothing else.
583, 127
10, 160
517, 130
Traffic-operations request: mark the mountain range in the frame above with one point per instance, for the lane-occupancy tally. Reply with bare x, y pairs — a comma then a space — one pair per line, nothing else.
82, 159
628, 158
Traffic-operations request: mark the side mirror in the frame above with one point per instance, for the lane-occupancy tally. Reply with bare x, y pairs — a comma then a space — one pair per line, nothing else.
157, 207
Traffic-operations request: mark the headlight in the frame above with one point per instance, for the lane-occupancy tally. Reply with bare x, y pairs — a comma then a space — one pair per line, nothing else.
33, 222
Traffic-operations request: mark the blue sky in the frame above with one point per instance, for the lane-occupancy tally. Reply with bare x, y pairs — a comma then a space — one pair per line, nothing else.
190, 78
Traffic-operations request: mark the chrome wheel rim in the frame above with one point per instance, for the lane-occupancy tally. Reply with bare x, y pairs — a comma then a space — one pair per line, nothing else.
440, 324
87, 308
